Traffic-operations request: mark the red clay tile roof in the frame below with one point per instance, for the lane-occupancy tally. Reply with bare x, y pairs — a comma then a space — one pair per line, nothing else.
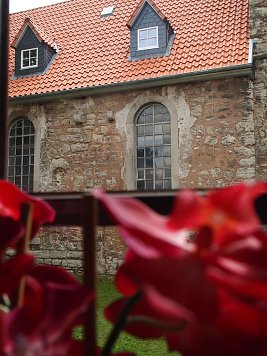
94, 51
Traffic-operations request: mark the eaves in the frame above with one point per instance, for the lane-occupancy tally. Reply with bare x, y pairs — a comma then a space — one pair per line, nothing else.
191, 77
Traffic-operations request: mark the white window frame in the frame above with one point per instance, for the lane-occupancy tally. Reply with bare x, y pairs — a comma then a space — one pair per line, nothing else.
28, 50
138, 38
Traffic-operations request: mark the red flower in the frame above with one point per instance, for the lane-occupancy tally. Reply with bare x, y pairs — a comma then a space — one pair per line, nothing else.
227, 212
11, 200
173, 290
54, 304
10, 233
12, 270
146, 233
207, 297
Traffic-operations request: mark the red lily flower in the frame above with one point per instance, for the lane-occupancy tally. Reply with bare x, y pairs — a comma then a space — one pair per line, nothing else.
214, 288
10, 233
54, 303
11, 199
170, 286
227, 212
148, 234
145, 232
12, 270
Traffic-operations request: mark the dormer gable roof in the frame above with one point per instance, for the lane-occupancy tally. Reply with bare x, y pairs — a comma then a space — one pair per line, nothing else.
139, 8
41, 35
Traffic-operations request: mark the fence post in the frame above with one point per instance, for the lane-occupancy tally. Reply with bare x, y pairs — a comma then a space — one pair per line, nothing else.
90, 213
4, 48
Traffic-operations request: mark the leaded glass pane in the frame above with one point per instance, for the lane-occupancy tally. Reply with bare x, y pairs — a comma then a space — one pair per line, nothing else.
149, 119
149, 151
167, 151
159, 173
141, 174
141, 185
140, 130
167, 173
158, 129
159, 184
140, 141
140, 163
21, 154
158, 140
141, 119
167, 184
149, 185
149, 162
167, 161
167, 139
149, 110
140, 152
149, 173
166, 128
149, 140
149, 130
158, 151
154, 148
159, 162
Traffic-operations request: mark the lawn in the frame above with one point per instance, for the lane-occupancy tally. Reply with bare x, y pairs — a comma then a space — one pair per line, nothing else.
106, 294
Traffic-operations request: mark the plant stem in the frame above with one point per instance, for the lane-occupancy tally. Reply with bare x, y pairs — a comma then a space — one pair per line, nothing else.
157, 323
23, 244
118, 326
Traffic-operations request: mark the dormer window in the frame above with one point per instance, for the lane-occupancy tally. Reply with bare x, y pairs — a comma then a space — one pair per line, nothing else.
148, 38
151, 34
34, 51
29, 58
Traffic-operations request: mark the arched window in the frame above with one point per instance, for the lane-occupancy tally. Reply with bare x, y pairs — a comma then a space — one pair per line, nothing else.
153, 141
21, 154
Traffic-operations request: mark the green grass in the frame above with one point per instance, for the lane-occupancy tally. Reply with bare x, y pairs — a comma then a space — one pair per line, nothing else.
106, 294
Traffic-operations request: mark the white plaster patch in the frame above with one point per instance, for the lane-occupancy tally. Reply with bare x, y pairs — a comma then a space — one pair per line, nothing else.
121, 118
185, 137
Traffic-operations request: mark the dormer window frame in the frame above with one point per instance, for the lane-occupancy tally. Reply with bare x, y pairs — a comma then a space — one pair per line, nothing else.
147, 30
22, 58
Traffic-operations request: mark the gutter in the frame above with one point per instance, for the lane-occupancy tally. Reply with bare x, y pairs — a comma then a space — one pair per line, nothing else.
192, 77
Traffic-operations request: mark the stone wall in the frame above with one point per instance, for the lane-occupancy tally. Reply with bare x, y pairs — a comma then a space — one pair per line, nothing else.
62, 246
89, 142
258, 29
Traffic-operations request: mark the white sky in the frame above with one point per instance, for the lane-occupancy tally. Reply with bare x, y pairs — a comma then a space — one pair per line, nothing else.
21, 5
